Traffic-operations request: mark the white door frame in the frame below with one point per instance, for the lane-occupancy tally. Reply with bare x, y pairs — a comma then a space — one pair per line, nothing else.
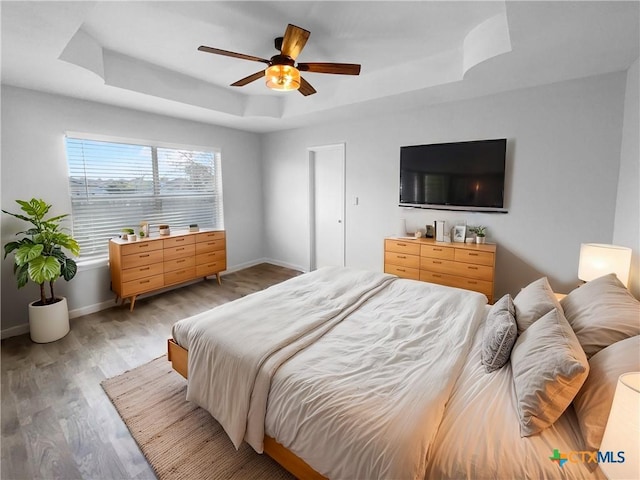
311, 151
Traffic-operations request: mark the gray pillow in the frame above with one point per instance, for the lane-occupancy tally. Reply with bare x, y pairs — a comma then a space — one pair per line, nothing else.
549, 367
534, 301
602, 312
593, 402
500, 334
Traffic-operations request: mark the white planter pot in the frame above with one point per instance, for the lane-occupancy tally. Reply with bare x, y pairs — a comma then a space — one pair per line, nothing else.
48, 323
480, 239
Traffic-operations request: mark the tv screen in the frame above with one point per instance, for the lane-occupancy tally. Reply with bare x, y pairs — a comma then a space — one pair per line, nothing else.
454, 176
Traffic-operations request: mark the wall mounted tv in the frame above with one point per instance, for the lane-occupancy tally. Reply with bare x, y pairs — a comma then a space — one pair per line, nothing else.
466, 176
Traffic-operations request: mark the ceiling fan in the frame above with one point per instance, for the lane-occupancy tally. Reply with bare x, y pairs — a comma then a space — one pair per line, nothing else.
282, 72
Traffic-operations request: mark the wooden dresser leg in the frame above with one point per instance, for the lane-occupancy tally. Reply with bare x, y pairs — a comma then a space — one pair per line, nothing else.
218, 277
133, 302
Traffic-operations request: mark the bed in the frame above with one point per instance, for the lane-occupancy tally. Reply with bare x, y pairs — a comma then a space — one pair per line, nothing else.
344, 373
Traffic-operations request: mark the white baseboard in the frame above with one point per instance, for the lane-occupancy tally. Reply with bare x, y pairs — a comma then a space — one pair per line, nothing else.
15, 331
96, 307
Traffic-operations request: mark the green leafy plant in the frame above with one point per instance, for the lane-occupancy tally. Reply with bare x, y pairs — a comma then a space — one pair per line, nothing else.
39, 255
480, 231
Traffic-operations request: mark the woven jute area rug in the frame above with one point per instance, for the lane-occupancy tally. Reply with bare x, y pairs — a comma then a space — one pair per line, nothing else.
179, 439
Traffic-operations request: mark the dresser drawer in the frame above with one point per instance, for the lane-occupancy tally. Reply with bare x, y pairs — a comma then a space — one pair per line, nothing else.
178, 263
179, 276
437, 266
458, 282
178, 241
209, 257
402, 259
474, 256
141, 259
142, 285
404, 272
206, 236
210, 268
210, 245
476, 272
137, 247
179, 252
136, 273
399, 246
433, 251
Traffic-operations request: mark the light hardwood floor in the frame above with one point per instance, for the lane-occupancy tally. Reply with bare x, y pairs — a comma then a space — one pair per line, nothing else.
57, 421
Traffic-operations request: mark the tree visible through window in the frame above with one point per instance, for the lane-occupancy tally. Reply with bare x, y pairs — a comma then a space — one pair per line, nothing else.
118, 185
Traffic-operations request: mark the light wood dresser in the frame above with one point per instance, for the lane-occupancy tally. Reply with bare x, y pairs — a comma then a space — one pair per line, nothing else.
147, 265
463, 265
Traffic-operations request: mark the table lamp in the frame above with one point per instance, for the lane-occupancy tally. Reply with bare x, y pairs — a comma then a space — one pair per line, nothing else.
622, 433
598, 259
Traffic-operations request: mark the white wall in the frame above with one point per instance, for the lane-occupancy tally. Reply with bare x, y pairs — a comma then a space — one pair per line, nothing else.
34, 164
563, 159
627, 220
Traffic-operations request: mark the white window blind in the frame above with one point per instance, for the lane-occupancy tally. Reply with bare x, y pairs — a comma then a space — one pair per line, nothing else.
118, 185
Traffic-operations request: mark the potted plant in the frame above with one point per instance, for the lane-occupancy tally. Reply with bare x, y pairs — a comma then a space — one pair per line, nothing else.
39, 257
481, 233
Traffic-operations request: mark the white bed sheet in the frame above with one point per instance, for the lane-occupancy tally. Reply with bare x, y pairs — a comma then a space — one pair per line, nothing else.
479, 437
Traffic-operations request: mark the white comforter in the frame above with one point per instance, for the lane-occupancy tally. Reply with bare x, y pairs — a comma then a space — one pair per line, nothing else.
366, 397
229, 346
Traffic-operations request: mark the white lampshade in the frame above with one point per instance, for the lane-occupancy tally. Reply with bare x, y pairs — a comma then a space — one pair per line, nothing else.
598, 259
622, 433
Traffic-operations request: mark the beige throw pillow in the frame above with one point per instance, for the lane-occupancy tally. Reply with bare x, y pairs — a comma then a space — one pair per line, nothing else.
534, 301
602, 312
593, 402
549, 367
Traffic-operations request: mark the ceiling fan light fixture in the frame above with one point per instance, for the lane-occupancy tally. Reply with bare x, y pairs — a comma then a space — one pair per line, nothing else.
282, 77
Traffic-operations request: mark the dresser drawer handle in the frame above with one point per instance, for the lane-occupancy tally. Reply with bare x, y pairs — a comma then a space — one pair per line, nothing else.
401, 270
437, 249
436, 275
145, 255
472, 268
142, 245
179, 240
144, 281
179, 249
145, 268
402, 244
473, 254
436, 262
472, 282
402, 256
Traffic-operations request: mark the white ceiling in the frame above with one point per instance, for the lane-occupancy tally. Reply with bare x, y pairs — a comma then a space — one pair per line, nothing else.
143, 55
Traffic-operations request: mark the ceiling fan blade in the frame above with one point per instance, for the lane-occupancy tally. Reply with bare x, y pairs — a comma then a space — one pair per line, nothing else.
295, 38
334, 68
227, 53
305, 88
251, 78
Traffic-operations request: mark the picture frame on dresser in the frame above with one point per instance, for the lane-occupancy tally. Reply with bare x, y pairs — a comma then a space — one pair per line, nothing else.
459, 233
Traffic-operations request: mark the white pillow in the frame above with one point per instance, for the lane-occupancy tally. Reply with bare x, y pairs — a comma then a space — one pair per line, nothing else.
534, 301
602, 312
549, 367
593, 402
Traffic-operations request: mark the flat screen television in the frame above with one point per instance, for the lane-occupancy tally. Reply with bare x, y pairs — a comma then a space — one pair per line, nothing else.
466, 176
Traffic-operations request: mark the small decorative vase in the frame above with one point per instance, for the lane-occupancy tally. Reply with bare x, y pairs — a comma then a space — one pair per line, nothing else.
480, 239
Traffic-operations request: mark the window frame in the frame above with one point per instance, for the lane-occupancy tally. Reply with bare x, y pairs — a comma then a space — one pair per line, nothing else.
103, 260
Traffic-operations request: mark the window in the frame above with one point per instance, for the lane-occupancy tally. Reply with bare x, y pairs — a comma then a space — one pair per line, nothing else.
118, 185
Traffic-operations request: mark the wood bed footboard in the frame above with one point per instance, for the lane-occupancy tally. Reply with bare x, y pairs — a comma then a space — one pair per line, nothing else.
178, 357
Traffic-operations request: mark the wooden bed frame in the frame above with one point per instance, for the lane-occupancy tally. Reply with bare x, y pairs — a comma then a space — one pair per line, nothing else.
178, 357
